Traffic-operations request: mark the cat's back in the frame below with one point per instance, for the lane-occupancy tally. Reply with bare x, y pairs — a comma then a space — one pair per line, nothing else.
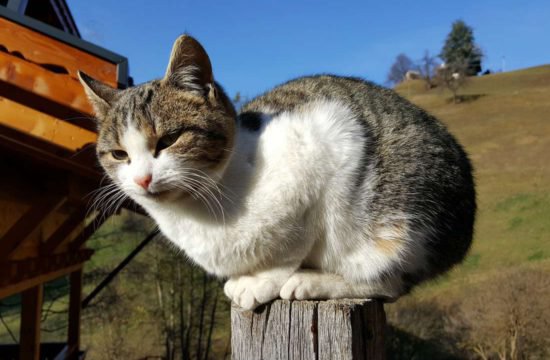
382, 110
307, 89
387, 119
357, 93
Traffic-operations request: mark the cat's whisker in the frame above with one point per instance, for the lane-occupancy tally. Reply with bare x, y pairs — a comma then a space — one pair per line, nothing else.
106, 199
101, 197
207, 194
115, 202
209, 183
218, 186
199, 189
213, 184
201, 197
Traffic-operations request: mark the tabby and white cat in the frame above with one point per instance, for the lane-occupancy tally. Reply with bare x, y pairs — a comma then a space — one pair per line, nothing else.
324, 187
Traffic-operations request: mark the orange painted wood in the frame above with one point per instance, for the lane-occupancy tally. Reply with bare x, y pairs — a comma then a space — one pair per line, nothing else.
75, 307
42, 49
60, 88
31, 313
43, 126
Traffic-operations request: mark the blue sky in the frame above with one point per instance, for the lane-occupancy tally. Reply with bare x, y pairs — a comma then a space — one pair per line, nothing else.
255, 45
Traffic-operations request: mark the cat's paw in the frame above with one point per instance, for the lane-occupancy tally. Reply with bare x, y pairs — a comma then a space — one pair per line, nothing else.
250, 291
306, 284
303, 286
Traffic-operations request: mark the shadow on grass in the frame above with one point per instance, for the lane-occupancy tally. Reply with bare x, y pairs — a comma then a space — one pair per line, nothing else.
401, 345
464, 99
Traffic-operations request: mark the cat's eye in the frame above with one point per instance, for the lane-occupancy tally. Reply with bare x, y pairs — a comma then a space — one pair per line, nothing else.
166, 141
119, 154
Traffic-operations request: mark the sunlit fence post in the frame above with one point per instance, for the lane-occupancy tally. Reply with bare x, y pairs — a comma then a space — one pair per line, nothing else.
316, 330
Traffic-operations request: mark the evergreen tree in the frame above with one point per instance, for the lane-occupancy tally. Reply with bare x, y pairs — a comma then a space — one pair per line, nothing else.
460, 49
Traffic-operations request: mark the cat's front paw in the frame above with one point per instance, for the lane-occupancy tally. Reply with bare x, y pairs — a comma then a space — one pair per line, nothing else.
299, 287
306, 285
251, 291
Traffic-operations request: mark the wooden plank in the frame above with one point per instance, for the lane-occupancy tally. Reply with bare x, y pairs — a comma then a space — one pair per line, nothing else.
351, 329
88, 231
43, 126
28, 223
63, 231
277, 321
316, 330
75, 298
47, 154
22, 285
42, 49
19, 270
31, 310
60, 88
303, 332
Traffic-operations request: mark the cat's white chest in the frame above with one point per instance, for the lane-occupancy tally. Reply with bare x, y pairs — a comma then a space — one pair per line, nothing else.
277, 177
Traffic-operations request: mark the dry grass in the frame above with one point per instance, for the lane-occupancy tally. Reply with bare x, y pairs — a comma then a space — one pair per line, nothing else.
506, 131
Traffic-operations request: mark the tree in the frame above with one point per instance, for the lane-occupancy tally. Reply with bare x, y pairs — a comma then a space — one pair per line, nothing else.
460, 48
428, 69
399, 69
453, 77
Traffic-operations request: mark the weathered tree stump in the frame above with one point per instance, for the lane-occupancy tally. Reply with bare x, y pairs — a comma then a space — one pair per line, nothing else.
316, 330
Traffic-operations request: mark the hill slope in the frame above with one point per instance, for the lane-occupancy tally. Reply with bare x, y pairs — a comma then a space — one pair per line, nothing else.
506, 131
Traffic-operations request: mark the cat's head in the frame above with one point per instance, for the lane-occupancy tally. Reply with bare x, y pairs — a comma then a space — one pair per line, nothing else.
168, 137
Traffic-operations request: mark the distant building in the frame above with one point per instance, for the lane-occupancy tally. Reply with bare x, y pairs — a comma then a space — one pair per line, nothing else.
413, 75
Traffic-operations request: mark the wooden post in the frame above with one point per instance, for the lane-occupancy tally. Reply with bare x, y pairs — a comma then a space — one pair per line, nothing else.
316, 330
31, 313
75, 298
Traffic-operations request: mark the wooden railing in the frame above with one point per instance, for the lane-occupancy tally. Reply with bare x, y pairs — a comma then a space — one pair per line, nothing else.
40, 95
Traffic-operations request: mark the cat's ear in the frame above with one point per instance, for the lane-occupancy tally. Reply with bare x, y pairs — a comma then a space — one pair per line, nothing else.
101, 96
189, 66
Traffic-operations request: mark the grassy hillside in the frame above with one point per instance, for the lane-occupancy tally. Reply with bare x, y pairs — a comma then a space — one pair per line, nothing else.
497, 303
506, 131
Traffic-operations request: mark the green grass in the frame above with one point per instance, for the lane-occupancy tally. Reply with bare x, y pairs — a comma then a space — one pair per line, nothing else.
537, 255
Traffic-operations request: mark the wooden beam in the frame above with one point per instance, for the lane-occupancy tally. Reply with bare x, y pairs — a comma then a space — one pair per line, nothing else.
316, 330
31, 313
88, 231
43, 126
48, 154
42, 49
63, 231
20, 275
75, 297
29, 222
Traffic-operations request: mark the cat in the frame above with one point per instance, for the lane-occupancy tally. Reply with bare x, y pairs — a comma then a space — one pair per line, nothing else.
324, 187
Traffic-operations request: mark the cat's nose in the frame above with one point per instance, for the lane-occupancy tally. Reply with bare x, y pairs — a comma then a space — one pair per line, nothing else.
144, 181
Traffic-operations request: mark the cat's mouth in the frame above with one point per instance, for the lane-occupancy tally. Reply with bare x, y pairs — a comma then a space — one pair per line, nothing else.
158, 195
166, 194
